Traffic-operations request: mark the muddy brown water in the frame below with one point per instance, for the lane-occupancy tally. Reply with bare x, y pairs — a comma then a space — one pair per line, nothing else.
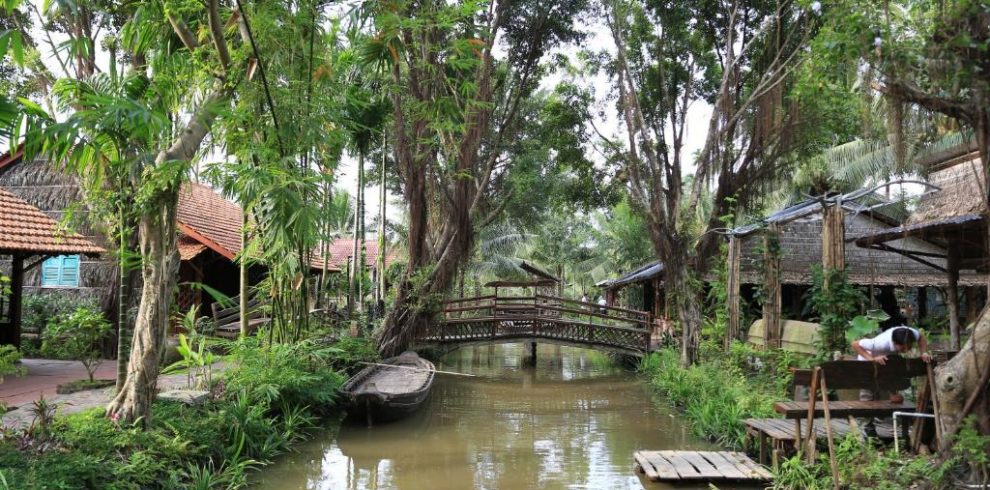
573, 421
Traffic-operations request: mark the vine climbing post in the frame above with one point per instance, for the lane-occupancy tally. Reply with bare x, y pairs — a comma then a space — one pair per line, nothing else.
771, 286
732, 291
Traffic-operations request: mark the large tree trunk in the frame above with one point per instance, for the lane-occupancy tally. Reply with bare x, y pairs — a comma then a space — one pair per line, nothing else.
687, 299
160, 264
159, 269
962, 382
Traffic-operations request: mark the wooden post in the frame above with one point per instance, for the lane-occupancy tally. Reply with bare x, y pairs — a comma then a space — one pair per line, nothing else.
934, 396
834, 238
972, 312
809, 443
828, 433
771, 285
13, 336
922, 303
732, 293
952, 296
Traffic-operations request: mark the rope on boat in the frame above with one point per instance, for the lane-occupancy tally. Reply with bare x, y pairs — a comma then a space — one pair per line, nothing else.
420, 369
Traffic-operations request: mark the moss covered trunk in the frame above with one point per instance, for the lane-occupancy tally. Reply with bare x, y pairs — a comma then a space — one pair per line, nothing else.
159, 268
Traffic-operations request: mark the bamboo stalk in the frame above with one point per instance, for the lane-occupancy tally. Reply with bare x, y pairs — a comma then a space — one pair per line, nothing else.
828, 433
419, 369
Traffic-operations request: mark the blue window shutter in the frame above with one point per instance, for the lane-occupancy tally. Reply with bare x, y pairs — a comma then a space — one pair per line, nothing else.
70, 271
50, 271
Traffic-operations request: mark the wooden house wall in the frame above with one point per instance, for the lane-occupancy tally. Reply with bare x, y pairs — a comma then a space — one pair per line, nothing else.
57, 194
801, 249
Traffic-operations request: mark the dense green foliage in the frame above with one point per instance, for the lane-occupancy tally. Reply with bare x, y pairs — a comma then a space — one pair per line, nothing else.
863, 466
270, 397
717, 395
77, 336
835, 301
8, 359
37, 310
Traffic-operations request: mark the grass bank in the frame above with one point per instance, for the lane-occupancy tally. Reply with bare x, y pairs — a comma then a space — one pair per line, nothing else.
268, 399
716, 395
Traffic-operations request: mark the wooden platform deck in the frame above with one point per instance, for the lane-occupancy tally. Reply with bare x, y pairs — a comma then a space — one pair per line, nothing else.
770, 435
699, 466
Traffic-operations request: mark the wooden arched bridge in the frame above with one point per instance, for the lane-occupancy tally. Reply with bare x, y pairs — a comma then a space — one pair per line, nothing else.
539, 318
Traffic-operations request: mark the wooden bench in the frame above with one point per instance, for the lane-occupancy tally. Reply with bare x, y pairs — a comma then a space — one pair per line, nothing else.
793, 430
228, 319
842, 409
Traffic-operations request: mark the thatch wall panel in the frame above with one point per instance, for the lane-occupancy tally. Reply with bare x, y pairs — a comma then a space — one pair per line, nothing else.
801, 250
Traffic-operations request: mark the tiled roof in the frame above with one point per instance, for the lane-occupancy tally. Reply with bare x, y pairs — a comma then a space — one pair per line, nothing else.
211, 220
342, 248
189, 248
25, 229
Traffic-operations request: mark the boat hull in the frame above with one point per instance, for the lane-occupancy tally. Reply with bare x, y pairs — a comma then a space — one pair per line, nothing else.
369, 404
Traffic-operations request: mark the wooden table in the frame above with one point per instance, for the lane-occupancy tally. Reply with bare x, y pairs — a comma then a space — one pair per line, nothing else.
842, 409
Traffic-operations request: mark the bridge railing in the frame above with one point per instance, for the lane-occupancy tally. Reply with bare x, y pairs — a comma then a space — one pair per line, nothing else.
493, 317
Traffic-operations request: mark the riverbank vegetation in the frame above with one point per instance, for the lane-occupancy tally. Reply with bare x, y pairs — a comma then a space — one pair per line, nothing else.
270, 397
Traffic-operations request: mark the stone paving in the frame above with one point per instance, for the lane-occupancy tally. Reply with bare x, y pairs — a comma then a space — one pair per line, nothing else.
43, 375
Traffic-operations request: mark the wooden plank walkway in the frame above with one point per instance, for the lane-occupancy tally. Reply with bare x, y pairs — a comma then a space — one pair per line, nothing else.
709, 466
769, 436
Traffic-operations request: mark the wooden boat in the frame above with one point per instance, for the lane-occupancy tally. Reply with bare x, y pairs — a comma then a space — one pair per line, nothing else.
390, 390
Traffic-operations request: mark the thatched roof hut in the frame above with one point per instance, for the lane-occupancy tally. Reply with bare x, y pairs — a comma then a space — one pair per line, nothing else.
952, 218
58, 195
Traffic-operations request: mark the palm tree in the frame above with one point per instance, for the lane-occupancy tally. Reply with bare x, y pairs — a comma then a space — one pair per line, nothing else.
497, 255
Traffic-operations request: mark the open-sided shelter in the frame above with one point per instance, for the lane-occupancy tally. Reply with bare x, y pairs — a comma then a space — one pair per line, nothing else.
29, 237
952, 220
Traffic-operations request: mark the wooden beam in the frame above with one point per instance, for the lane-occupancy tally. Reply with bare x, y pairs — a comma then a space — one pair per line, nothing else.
952, 297
834, 238
12, 335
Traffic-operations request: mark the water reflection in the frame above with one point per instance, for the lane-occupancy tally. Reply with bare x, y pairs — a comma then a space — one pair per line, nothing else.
573, 421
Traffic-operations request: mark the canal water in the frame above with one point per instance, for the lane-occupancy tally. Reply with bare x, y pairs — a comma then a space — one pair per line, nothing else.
572, 421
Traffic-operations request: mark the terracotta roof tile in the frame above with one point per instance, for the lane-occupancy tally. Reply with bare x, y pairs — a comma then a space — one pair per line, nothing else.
210, 219
24, 228
342, 248
189, 248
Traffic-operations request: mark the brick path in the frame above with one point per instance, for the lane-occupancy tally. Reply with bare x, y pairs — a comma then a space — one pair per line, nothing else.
45, 374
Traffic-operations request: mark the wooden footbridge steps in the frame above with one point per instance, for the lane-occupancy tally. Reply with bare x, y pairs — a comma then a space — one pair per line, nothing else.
698, 466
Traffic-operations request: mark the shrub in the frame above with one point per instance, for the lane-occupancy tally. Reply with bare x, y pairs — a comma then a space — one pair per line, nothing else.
39, 309
862, 466
77, 336
8, 361
299, 374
